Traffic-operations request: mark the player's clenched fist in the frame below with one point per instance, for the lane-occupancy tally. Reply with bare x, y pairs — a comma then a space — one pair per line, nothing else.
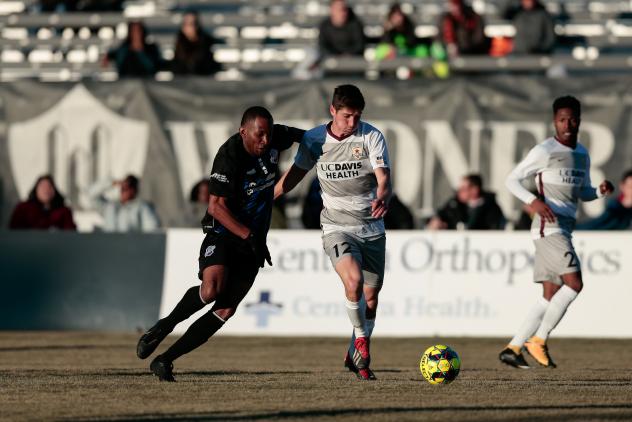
606, 187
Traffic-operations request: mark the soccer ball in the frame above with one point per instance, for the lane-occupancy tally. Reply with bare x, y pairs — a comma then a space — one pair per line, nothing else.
440, 364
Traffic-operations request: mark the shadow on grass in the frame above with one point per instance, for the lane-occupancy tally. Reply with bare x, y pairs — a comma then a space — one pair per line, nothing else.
139, 373
63, 347
237, 372
593, 411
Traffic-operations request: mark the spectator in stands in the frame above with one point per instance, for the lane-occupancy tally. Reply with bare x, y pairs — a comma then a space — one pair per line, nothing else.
525, 218
193, 53
399, 216
44, 209
99, 5
461, 30
312, 206
129, 213
471, 208
618, 213
534, 29
278, 220
399, 37
136, 56
342, 33
198, 203
57, 6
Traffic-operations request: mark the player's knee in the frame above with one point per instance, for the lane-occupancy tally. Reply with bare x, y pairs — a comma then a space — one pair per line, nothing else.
353, 282
353, 292
209, 291
224, 313
371, 303
574, 281
576, 285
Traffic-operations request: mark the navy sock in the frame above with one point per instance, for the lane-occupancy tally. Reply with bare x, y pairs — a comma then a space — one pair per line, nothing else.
188, 305
198, 333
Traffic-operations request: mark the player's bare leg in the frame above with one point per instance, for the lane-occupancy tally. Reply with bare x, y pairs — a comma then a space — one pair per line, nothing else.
194, 299
371, 298
560, 298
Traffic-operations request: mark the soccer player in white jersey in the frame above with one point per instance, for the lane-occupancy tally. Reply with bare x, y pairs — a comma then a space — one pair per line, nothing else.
561, 168
352, 166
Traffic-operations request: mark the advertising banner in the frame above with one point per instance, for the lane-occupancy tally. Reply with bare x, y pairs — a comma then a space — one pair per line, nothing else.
436, 284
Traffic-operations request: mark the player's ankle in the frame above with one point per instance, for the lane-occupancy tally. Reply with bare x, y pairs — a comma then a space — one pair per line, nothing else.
516, 349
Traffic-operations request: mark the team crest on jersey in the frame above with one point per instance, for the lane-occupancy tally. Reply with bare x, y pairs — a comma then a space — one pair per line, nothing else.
274, 156
209, 251
356, 152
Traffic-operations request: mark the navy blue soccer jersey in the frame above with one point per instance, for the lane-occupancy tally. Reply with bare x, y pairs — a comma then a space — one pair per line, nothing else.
247, 182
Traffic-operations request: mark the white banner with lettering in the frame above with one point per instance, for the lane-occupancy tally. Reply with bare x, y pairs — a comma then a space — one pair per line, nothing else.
436, 284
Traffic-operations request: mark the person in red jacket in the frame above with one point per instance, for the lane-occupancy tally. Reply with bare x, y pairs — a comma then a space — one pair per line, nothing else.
462, 30
43, 210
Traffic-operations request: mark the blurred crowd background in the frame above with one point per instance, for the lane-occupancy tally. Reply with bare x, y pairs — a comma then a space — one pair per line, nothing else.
233, 40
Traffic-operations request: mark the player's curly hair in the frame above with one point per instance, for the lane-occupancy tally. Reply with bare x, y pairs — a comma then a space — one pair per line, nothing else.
348, 96
567, 101
253, 112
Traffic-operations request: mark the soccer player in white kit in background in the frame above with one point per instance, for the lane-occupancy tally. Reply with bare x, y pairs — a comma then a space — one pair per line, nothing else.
561, 168
352, 165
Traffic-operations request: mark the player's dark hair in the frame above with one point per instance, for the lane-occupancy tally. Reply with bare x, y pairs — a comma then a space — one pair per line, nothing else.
132, 181
347, 96
626, 174
58, 199
475, 180
567, 101
253, 112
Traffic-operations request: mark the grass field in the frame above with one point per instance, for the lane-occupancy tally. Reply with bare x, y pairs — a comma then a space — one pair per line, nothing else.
87, 376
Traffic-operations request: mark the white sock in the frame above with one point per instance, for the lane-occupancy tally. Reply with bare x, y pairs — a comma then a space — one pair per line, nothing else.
531, 323
555, 311
369, 325
356, 316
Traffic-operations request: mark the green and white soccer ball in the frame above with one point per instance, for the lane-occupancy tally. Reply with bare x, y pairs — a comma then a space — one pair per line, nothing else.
440, 364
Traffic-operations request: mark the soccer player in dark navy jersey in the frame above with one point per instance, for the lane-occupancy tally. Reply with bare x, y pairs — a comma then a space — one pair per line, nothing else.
236, 225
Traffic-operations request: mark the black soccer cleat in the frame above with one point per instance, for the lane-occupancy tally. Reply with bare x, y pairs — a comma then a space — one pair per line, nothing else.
162, 369
512, 358
349, 364
149, 341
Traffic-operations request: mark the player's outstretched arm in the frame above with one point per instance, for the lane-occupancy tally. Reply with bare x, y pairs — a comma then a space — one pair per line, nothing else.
379, 206
289, 180
219, 210
588, 192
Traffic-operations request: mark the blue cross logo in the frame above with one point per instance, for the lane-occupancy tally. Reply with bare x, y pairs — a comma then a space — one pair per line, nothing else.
263, 309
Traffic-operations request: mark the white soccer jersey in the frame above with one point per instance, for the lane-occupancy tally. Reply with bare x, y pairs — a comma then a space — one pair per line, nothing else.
345, 169
562, 177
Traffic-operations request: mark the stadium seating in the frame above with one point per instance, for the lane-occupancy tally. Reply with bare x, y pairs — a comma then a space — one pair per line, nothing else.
272, 37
